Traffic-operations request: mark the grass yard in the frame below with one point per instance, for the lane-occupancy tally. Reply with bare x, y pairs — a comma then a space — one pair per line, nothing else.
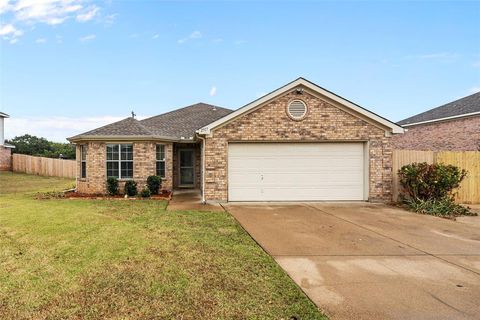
96, 259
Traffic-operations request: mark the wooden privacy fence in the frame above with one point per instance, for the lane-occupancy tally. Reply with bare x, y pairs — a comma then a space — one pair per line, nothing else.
469, 191
44, 166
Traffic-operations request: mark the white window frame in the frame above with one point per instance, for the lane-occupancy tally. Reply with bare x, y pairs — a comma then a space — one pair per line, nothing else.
83, 160
157, 161
119, 160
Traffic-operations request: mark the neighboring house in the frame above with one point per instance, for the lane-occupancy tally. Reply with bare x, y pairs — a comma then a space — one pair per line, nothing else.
454, 126
5, 148
299, 142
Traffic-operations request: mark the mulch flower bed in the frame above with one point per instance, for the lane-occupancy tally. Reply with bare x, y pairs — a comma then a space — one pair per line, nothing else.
164, 195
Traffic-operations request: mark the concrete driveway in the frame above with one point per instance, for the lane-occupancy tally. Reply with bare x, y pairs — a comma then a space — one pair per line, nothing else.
371, 261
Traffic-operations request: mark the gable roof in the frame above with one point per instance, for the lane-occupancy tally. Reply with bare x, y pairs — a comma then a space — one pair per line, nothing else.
463, 107
174, 125
310, 85
4, 115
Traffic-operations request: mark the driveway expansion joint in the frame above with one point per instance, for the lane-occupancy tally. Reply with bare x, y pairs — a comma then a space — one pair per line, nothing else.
439, 257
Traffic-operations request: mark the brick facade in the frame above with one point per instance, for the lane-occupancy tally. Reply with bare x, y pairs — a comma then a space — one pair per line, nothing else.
454, 135
324, 122
144, 162
5, 159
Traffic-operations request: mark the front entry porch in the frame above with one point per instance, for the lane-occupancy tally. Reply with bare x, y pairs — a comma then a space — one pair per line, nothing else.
190, 199
187, 166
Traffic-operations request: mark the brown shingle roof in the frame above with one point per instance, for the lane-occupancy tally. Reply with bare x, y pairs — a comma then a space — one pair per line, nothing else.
174, 125
185, 121
469, 104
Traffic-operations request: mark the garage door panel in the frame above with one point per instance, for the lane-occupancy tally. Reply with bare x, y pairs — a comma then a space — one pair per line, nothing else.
295, 171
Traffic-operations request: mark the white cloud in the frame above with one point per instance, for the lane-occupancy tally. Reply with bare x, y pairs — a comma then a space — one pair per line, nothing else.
435, 56
41, 40
9, 33
46, 11
194, 35
9, 29
5, 6
155, 36
239, 42
27, 13
87, 38
88, 15
110, 19
56, 128
213, 91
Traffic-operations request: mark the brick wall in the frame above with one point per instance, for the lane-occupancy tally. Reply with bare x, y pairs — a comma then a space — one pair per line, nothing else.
5, 159
144, 163
324, 122
455, 135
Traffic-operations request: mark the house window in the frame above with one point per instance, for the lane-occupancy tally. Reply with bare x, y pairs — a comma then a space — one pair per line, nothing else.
120, 161
83, 161
160, 160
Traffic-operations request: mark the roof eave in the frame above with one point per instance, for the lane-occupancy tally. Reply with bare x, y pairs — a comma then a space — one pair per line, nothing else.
81, 138
466, 115
300, 81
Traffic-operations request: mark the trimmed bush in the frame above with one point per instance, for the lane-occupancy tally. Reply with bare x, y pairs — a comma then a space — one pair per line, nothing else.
131, 188
428, 189
423, 181
154, 184
145, 193
112, 186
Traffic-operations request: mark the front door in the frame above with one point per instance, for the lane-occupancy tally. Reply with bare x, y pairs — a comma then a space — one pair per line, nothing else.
187, 167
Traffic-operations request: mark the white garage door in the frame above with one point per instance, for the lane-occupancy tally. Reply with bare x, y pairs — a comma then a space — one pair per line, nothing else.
295, 171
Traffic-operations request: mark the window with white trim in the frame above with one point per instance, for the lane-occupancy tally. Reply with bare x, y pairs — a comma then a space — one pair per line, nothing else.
120, 161
160, 166
83, 161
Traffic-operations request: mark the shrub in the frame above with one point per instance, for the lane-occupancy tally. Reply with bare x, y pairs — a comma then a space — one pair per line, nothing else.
145, 193
154, 183
427, 189
112, 186
423, 181
131, 188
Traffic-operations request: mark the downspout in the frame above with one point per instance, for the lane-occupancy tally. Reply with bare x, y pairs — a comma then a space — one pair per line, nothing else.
203, 168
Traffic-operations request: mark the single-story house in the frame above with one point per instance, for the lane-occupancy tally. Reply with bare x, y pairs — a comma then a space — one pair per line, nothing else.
5, 148
454, 126
299, 142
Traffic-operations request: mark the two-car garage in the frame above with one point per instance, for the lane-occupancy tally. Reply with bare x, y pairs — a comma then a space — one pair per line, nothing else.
296, 171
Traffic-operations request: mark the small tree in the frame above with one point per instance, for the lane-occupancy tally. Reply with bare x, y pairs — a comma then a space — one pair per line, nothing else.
131, 188
154, 184
112, 186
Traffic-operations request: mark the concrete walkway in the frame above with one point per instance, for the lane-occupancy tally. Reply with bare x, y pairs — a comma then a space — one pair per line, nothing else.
190, 200
367, 261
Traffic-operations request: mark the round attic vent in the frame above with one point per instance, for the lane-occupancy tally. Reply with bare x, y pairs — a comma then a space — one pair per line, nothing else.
297, 109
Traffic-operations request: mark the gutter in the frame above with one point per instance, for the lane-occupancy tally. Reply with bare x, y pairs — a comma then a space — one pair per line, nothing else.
128, 138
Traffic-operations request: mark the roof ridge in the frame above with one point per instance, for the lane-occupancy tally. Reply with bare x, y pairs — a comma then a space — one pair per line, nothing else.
182, 108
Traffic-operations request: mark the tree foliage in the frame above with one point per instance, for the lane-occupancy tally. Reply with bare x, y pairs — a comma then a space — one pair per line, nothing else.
37, 146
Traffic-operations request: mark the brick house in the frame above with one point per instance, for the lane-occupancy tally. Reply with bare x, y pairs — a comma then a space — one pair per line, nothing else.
454, 126
5, 148
299, 142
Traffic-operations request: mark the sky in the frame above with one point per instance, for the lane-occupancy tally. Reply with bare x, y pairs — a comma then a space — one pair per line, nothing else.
68, 66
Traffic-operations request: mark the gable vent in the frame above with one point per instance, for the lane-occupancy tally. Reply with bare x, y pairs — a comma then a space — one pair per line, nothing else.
297, 109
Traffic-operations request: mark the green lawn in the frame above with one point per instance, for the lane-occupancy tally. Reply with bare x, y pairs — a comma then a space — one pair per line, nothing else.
96, 259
